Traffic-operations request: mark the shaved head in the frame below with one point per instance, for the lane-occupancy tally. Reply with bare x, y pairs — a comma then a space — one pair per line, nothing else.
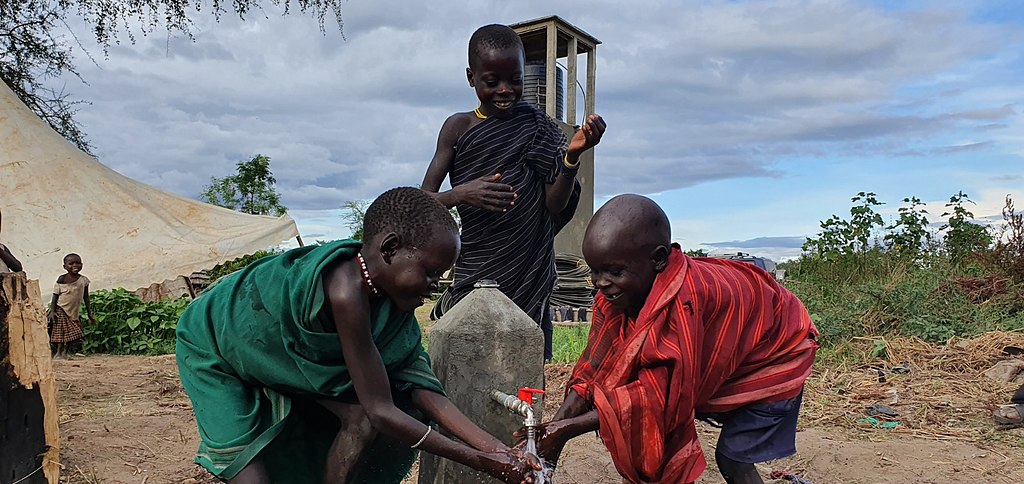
633, 219
627, 245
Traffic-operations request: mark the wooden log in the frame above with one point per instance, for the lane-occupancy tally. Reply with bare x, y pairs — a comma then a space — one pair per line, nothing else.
29, 439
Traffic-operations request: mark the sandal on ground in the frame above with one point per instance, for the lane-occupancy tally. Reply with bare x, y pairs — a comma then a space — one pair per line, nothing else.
1009, 415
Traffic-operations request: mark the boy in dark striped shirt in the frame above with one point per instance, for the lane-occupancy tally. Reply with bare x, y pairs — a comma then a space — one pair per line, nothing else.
674, 338
513, 179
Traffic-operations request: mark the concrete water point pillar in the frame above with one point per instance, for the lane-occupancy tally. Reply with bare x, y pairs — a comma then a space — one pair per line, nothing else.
484, 343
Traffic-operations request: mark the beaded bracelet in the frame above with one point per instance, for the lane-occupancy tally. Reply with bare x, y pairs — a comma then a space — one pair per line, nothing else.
425, 434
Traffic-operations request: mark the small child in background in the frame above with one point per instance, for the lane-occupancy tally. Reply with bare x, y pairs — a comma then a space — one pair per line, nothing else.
69, 292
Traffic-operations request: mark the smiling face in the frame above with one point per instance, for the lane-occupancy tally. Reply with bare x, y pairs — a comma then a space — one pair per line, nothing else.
414, 272
497, 76
623, 274
73, 264
626, 245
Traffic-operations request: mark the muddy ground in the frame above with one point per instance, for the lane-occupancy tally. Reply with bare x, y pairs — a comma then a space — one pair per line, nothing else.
125, 419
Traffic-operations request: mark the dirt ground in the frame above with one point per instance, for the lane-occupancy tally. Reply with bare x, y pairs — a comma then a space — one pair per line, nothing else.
125, 419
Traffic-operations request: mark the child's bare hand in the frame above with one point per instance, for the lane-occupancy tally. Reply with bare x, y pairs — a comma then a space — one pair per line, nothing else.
512, 466
487, 193
550, 440
588, 136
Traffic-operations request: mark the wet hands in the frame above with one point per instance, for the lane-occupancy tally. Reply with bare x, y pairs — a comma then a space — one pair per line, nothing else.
549, 440
513, 466
487, 193
588, 136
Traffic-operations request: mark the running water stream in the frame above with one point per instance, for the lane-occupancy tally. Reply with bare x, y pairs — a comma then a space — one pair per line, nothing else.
531, 448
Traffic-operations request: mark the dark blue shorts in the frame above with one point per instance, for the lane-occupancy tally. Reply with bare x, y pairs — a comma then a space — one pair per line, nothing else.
760, 432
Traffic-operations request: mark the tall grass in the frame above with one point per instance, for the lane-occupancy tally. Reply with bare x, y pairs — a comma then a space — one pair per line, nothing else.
882, 293
568, 342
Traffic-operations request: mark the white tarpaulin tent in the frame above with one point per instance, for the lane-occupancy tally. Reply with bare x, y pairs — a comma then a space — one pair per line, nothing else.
55, 199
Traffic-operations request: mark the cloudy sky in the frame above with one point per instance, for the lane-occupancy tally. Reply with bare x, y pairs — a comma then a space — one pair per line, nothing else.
749, 122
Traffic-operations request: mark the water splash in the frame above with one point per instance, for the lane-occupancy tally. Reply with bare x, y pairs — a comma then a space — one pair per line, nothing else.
539, 477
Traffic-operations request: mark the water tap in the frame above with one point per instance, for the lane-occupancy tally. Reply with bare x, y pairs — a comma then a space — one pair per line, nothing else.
521, 405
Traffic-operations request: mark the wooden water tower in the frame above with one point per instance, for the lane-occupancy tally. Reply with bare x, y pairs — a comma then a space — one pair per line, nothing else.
546, 40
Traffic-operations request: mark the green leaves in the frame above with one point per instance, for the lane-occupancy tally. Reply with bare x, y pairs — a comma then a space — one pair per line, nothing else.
36, 45
839, 237
251, 190
221, 270
909, 235
963, 237
126, 325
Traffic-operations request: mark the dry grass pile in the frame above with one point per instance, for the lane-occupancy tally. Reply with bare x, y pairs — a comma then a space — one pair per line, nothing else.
939, 392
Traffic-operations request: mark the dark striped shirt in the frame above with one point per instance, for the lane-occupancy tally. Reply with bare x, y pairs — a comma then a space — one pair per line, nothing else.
516, 247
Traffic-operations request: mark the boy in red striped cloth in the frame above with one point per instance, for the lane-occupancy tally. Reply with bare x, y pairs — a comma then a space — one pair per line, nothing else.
676, 338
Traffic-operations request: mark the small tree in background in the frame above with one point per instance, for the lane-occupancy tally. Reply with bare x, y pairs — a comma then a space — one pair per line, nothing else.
963, 237
847, 237
357, 212
251, 190
354, 217
909, 234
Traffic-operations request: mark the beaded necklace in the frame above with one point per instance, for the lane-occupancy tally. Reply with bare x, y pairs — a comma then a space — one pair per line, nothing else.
366, 276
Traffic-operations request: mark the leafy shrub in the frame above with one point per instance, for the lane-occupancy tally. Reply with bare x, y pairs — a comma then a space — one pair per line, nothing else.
230, 266
906, 282
840, 237
127, 325
963, 238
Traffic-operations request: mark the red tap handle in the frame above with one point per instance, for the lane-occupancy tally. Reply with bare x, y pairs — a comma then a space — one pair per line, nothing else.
526, 394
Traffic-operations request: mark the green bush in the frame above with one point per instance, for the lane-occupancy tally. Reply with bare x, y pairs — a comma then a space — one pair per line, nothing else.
909, 281
230, 266
126, 325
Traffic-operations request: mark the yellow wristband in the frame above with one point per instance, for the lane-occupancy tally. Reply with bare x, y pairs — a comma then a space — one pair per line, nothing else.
571, 166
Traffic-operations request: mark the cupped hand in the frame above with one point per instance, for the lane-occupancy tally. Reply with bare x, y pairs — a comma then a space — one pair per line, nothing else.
589, 135
513, 466
487, 193
550, 440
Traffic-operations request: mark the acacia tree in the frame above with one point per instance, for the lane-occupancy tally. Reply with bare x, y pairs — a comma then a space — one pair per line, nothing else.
251, 190
37, 45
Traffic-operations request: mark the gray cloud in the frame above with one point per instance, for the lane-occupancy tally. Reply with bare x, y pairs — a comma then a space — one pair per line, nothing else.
693, 92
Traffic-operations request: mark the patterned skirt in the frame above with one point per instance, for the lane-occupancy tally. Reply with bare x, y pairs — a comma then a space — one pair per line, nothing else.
65, 329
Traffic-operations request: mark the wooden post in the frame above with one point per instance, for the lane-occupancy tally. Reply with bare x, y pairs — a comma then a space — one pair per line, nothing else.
570, 83
591, 82
29, 440
550, 89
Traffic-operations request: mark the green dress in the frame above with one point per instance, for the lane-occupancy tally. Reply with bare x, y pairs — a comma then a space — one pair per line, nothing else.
256, 350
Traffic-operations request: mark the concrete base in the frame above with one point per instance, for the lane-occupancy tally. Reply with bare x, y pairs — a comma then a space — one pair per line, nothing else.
484, 343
